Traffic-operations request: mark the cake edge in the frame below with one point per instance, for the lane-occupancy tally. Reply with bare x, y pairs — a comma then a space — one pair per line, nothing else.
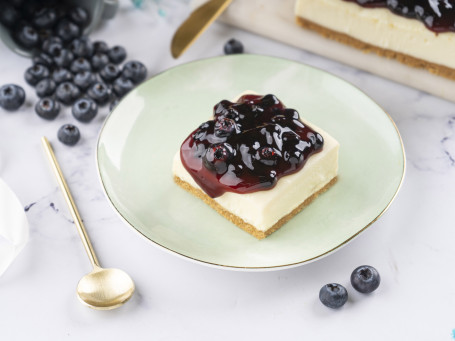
239, 222
437, 69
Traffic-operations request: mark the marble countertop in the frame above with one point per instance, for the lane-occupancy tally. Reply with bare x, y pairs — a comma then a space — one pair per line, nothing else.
411, 245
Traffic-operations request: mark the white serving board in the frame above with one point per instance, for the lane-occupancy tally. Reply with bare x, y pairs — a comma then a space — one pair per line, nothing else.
276, 19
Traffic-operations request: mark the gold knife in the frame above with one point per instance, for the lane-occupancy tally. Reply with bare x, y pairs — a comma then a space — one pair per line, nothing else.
197, 23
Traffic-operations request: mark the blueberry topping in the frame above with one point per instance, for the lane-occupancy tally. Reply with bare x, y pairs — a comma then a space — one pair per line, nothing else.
84, 79
62, 75
109, 73
45, 18
67, 93
47, 108
45, 88
365, 279
84, 109
67, 30
233, 46
134, 70
100, 93
224, 127
80, 64
11, 97
122, 86
100, 46
69, 134
63, 57
27, 37
217, 155
79, 16
43, 59
99, 60
333, 295
81, 47
36, 73
117, 54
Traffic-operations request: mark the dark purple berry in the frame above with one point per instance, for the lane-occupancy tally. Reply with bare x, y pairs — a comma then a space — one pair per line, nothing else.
27, 37
333, 295
81, 47
45, 88
12, 96
69, 134
67, 30
43, 59
224, 127
233, 46
134, 70
47, 108
122, 86
80, 64
84, 79
79, 16
100, 46
63, 58
100, 93
45, 18
62, 75
84, 109
9, 15
36, 73
217, 155
109, 73
365, 279
99, 60
50, 44
117, 54
67, 93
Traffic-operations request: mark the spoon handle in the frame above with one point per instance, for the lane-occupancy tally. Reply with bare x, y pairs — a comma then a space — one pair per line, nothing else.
69, 200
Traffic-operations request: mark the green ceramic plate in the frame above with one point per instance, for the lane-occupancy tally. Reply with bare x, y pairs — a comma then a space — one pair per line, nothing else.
141, 136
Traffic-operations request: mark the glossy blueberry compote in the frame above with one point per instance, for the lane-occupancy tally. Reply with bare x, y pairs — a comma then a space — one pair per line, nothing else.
248, 146
437, 15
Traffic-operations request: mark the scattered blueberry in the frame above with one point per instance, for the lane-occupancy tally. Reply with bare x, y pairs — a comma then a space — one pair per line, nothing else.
50, 44
109, 73
80, 64
69, 134
333, 295
99, 60
63, 57
365, 279
84, 79
81, 47
43, 59
100, 93
122, 86
117, 54
79, 16
27, 37
100, 46
67, 93
45, 88
11, 97
45, 18
134, 70
36, 73
62, 75
84, 109
67, 30
233, 46
47, 108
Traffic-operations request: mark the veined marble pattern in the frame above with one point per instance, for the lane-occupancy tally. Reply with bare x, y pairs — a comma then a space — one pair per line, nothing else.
411, 245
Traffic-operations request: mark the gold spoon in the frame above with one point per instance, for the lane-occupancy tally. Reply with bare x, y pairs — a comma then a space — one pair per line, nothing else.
101, 289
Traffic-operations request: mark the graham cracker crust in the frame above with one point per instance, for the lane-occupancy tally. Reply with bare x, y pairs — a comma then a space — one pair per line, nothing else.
436, 69
240, 222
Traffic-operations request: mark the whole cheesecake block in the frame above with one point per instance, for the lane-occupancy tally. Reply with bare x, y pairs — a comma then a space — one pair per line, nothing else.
262, 212
383, 32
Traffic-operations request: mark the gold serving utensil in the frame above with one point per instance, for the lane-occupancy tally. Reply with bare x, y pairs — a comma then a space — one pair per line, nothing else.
197, 23
102, 289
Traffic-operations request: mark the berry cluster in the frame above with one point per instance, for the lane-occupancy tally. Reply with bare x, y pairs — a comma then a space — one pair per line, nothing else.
68, 68
250, 144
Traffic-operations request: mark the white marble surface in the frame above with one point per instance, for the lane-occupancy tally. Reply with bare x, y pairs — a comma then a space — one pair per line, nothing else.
411, 245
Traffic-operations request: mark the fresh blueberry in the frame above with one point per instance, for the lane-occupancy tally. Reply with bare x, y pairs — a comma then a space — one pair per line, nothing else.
9, 16
11, 97
43, 59
62, 75
50, 44
113, 104
233, 46
333, 295
79, 16
84, 79
47, 108
99, 60
81, 47
43, 34
122, 86
63, 57
134, 70
100, 93
100, 46
84, 109
45, 88
67, 93
365, 279
109, 73
80, 64
67, 30
36, 73
69, 134
117, 54
27, 37
45, 18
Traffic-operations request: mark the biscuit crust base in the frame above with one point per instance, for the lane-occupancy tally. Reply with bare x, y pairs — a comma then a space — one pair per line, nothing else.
436, 69
239, 221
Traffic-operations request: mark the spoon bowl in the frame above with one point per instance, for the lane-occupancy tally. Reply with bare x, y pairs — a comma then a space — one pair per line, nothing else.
105, 289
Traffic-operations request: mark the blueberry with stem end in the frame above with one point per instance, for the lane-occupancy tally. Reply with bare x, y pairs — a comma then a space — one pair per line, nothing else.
109, 73
67, 93
233, 46
27, 37
100, 93
12, 96
84, 79
50, 44
122, 86
99, 60
47, 108
69, 134
67, 30
36, 73
63, 57
45, 87
117, 54
84, 109
365, 279
80, 64
217, 156
333, 295
100, 46
134, 70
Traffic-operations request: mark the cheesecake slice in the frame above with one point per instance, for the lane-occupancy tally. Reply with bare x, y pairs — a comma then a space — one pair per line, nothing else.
419, 33
257, 163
